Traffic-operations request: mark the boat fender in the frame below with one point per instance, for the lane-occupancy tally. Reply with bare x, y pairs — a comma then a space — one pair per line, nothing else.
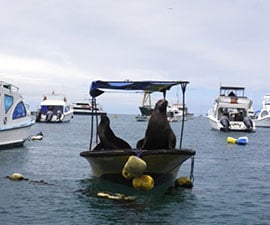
231, 140
242, 140
248, 122
39, 137
16, 176
224, 120
183, 182
134, 167
143, 183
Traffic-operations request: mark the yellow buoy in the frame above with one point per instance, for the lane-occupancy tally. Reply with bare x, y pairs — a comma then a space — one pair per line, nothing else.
231, 140
183, 182
134, 167
16, 176
144, 183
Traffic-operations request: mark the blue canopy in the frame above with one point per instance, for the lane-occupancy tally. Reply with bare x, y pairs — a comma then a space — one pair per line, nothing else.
151, 86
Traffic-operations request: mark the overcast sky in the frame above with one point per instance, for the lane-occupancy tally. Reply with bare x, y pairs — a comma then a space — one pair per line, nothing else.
63, 45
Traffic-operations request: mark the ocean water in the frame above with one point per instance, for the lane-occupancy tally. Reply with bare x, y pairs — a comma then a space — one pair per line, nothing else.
231, 183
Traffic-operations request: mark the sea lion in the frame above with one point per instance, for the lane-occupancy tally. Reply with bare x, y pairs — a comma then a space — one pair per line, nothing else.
159, 134
108, 140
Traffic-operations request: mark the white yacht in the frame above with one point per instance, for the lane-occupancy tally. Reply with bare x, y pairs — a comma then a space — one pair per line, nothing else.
175, 112
84, 107
231, 111
15, 117
54, 108
262, 117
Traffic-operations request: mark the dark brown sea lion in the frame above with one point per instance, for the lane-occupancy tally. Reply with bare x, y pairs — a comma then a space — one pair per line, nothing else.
108, 140
159, 134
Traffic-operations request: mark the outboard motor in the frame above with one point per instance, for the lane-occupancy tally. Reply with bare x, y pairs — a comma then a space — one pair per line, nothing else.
248, 123
49, 116
224, 120
59, 114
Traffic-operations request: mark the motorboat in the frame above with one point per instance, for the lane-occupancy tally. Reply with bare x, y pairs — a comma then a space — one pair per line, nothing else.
162, 164
176, 112
262, 117
231, 111
54, 108
84, 107
15, 117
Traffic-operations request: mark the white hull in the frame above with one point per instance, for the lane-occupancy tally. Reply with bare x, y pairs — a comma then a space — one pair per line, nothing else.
15, 136
15, 118
234, 125
262, 117
263, 122
65, 117
87, 112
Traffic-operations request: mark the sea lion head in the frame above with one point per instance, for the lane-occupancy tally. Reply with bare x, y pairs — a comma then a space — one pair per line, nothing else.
104, 120
161, 105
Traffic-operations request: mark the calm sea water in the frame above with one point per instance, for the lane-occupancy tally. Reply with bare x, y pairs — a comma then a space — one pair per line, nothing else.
231, 183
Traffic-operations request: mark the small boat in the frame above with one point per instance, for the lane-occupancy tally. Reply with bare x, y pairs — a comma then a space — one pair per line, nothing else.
54, 108
15, 117
162, 164
262, 117
231, 111
175, 112
85, 108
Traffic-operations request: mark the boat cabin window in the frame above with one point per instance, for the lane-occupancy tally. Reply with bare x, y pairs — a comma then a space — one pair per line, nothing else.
8, 102
19, 111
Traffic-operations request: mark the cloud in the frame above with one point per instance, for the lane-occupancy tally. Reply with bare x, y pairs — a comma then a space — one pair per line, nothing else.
63, 45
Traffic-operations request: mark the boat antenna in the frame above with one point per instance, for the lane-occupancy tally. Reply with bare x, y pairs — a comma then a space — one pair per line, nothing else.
183, 87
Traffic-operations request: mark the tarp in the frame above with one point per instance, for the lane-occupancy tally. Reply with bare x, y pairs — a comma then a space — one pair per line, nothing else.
150, 86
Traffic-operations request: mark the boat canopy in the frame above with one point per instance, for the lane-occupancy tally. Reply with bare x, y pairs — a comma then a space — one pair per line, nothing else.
150, 86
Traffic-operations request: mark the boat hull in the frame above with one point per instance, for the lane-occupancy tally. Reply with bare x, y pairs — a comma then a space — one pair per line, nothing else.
66, 117
87, 112
263, 122
234, 125
162, 165
15, 136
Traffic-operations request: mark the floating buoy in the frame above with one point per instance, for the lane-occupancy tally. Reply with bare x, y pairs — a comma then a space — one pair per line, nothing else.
242, 140
144, 183
231, 140
39, 137
116, 196
134, 167
239, 141
183, 182
16, 176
